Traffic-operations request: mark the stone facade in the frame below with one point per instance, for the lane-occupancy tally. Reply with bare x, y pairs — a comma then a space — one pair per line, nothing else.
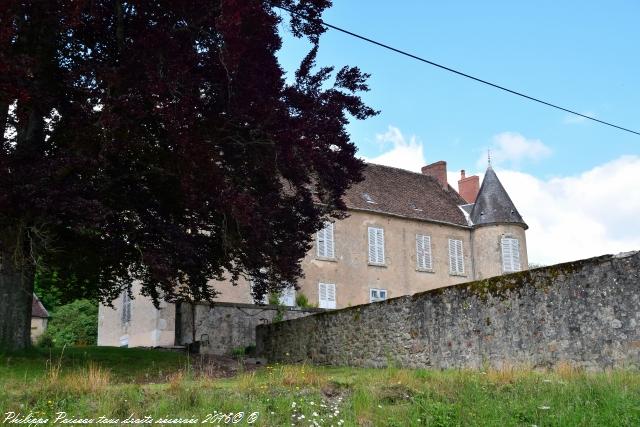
136, 322
225, 327
586, 313
354, 276
220, 328
404, 205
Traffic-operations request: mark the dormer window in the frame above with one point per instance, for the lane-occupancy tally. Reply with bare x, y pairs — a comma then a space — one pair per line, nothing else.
367, 198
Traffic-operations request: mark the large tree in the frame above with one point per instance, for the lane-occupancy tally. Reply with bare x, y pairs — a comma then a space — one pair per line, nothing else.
159, 141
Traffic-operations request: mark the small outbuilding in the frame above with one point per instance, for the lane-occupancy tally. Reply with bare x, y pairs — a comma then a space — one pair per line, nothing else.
39, 318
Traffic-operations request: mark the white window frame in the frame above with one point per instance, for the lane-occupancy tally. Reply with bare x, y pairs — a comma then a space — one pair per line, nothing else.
287, 297
510, 248
376, 294
456, 257
376, 245
327, 295
424, 260
325, 242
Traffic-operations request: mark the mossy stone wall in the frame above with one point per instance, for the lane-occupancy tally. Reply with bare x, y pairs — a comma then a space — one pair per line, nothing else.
586, 313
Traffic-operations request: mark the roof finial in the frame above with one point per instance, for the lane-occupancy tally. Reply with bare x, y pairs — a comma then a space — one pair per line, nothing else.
489, 156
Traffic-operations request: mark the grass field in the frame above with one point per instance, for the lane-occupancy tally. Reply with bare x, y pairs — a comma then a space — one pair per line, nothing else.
114, 384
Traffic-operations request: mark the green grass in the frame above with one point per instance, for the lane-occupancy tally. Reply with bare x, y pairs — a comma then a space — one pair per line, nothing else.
91, 382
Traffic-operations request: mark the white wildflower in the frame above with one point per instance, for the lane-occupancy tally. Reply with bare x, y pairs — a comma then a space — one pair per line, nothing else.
544, 408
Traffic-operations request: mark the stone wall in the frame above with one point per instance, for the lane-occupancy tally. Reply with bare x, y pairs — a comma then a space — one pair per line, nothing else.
586, 313
223, 327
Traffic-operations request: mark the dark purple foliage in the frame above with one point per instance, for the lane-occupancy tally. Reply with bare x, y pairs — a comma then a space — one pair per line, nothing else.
158, 141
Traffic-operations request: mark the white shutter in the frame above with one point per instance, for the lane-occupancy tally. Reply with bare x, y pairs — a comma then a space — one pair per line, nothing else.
376, 245
423, 252
372, 244
460, 256
510, 254
324, 241
329, 240
456, 257
515, 254
126, 308
327, 295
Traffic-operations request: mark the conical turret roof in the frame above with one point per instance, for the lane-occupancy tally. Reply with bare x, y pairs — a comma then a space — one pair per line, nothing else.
493, 205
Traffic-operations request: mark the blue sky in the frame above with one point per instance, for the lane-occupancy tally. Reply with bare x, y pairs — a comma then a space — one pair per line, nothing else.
581, 55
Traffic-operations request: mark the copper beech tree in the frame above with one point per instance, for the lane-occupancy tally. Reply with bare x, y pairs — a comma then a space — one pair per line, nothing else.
159, 141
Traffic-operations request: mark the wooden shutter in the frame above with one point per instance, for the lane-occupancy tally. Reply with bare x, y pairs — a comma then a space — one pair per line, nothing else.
376, 245
510, 254
126, 308
423, 252
327, 295
456, 257
328, 233
323, 240
460, 256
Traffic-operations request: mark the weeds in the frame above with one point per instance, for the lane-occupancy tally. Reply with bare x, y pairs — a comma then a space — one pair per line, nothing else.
92, 382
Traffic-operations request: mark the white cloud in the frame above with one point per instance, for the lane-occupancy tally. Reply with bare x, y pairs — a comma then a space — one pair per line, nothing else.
572, 119
513, 148
594, 213
403, 154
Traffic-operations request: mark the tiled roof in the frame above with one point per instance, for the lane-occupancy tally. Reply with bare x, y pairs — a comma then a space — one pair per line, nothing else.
493, 204
37, 309
409, 194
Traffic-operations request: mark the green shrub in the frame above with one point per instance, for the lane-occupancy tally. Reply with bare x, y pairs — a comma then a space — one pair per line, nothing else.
238, 352
274, 298
302, 301
44, 341
75, 323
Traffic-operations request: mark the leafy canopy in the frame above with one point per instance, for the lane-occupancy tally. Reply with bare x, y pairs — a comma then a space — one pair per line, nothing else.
159, 141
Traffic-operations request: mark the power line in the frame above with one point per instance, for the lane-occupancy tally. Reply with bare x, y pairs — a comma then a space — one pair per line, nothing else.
460, 73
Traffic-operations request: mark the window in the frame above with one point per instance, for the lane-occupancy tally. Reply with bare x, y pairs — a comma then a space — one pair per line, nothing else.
265, 297
324, 241
376, 245
327, 295
510, 254
126, 308
377, 295
456, 258
423, 252
288, 297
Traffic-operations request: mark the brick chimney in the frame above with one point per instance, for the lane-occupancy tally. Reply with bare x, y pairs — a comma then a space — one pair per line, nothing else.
438, 170
468, 187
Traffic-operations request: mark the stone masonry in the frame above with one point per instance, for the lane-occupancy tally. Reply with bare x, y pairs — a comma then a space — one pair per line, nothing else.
223, 327
586, 313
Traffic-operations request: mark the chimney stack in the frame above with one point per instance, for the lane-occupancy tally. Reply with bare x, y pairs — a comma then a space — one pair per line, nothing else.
468, 187
438, 170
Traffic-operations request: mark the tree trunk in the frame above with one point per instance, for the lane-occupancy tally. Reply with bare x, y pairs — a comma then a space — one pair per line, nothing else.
16, 294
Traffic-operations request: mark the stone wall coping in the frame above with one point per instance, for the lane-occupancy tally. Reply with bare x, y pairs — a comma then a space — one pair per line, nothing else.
263, 307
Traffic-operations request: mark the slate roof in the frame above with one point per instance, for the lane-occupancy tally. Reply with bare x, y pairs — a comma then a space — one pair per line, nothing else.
493, 204
400, 192
37, 309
